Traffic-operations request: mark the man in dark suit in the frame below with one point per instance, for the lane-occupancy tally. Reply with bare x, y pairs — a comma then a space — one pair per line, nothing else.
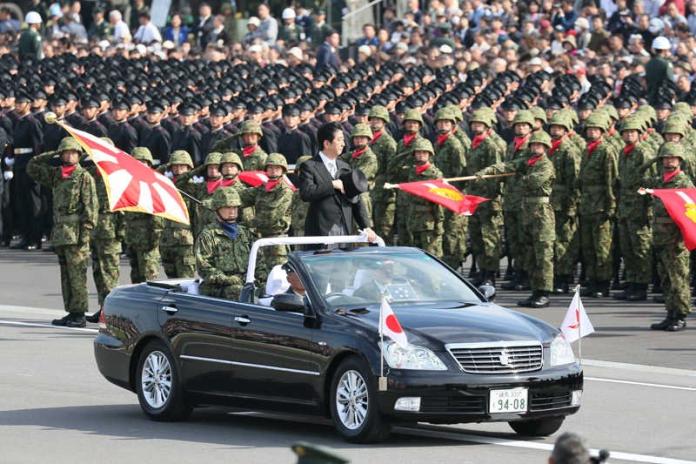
326, 53
331, 211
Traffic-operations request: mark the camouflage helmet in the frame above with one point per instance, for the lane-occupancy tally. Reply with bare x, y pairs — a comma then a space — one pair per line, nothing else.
598, 120
561, 119
251, 127
69, 144
301, 160
683, 109
675, 125
611, 112
524, 117
231, 158
649, 113
181, 157
143, 154
224, 197
213, 157
423, 144
361, 130
413, 115
572, 116
540, 137
669, 149
379, 112
276, 159
539, 113
445, 114
632, 123
482, 116
456, 112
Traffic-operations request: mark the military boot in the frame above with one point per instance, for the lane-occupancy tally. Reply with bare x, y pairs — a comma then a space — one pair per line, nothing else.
522, 282
601, 289
588, 289
666, 322
541, 301
62, 321
640, 293
558, 285
527, 302
626, 292
71, 320
677, 324
94, 318
488, 278
512, 278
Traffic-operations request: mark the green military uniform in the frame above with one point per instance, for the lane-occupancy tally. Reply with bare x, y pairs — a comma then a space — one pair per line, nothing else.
565, 196
535, 183
598, 172
75, 209
222, 251
458, 132
485, 224
299, 208
383, 200
197, 184
245, 214
424, 219
365, 160
30, 45
176, 245
253, 157
397, 174
634, 215
142, 233
450, 158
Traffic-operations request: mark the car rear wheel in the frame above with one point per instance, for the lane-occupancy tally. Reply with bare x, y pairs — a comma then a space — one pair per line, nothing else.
354, 407
157, 383
537, 427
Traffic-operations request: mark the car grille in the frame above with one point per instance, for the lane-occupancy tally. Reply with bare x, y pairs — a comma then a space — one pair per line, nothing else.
545, 401
456, 405
504, 358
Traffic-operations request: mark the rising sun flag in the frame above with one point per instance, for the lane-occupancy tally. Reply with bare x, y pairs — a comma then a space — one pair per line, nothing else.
130, 184
444, 194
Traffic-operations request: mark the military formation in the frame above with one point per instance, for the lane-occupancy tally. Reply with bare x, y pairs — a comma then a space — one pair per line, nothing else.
561, 169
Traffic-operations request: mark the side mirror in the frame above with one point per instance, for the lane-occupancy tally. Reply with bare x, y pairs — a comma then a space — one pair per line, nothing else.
288, 302
488, 291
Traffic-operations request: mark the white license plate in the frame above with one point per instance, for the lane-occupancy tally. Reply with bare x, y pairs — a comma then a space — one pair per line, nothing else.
512, 400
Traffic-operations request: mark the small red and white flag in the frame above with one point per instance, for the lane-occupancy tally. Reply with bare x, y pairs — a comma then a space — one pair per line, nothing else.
389, 325
259, 178
576, 323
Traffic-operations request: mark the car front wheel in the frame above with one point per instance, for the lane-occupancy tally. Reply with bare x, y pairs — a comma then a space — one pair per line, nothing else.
354, 406
537, 427
157, 383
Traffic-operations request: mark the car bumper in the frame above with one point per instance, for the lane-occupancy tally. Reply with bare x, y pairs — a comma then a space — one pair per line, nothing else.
459, 397
113, 360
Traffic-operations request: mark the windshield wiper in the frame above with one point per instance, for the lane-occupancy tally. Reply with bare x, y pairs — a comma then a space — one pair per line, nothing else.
344, 311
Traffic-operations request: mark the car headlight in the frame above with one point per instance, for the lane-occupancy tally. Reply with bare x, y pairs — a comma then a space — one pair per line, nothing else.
561, 352
413, 357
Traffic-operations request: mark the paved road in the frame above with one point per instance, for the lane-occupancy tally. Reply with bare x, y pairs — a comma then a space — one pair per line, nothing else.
55, 405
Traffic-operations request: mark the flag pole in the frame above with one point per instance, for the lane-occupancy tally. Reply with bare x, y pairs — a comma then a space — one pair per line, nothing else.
577, 291
382, 382
389, 186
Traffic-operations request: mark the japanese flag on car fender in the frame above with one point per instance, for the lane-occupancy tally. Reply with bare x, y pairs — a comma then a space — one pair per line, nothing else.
576, 323
389, 325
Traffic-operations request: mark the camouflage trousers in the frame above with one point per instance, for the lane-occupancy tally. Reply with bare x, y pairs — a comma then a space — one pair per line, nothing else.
484, 227
404, 237
566, 247
105, 266
144, 263
383, 212
427, 240
73, 276
596, 241
635, 239
538, 227
269, 257
454, 240
673, 269
513, 233
228, 292
178, 261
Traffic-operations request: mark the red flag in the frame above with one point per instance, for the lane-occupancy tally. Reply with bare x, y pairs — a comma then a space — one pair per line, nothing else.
444, 194
130, 184
259, 178
681, 207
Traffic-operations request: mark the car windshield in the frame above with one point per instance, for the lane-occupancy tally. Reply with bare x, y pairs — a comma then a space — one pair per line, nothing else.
360, 279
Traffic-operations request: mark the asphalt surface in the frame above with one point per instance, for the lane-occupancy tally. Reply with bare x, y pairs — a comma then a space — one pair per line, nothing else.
639, 400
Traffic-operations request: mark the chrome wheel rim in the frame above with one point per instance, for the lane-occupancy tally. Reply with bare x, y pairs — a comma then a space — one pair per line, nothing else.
352, 400
156, 379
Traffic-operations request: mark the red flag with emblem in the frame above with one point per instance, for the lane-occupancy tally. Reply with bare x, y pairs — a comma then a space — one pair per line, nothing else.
259, 178
681, 207
442, 193
130, 184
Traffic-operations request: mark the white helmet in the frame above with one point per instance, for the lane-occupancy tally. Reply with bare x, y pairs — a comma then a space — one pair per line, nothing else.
661, 43
289, 13
33, 18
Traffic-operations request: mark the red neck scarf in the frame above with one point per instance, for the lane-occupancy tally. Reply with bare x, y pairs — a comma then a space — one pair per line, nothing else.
628, 149
611, 132
532, 160
422, 168
554, 146
478, 139
442, 138
213, 185
228, 182
592, 146
668, 176
66, 171
408, 139
375, 137
271, 184
358, 153
519, 141
247, 151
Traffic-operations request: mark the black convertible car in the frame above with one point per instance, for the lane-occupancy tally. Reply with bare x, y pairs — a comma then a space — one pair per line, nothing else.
467, 359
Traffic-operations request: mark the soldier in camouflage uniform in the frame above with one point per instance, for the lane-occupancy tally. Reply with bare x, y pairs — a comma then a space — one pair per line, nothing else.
272, 203
384, 147
672, 255
412, 124
535, 182
230, 167
362, 157
450, 158
176, 246
201, 183
253, 157
634, 211
676, 130
523, 124
222, 249
598, 172
299, 208
565, 196
425, 219
485, 224
458, 131
143, 232
75, 210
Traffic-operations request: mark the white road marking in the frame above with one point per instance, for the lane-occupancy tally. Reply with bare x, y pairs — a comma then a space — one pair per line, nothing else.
644, 384
615, 455
639, 367
47, 326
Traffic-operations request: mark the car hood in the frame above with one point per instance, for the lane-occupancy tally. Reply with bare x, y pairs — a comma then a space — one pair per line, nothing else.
433, 326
